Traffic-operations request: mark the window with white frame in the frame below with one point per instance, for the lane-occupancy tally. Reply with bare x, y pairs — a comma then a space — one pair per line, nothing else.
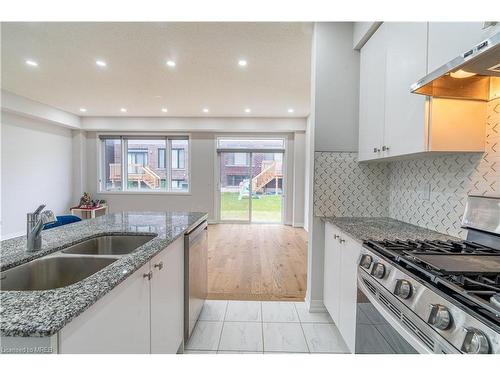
150, 163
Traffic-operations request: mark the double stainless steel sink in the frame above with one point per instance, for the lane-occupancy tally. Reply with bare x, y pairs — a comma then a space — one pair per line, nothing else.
71, 264
109, 245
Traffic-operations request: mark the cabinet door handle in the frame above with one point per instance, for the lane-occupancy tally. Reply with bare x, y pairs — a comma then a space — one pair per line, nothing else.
385, 148
159, 266
341, 240
375, 150
148, 275
335, 236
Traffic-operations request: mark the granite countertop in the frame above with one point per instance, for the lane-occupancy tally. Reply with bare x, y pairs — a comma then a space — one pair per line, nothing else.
384, 228
45, 312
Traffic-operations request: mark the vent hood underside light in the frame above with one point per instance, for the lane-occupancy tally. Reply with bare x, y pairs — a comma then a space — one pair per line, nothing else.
474, 75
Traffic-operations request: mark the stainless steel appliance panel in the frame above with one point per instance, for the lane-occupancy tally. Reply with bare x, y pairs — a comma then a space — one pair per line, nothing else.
195, 275
374, 335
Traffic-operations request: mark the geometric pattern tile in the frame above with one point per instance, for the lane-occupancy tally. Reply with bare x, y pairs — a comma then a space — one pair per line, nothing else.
451, 178
344, 187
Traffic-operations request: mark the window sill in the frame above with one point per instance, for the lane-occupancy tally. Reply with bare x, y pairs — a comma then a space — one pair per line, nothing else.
129, 192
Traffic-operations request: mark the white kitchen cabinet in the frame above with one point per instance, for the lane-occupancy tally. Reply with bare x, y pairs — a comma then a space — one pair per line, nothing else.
351, 251
406, 61
340, 281
393, 122
167, 299
143, 314
371, 97
331, 281
117, 323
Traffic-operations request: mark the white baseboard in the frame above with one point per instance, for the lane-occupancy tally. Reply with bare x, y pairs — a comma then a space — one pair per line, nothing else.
315, 306
298, 225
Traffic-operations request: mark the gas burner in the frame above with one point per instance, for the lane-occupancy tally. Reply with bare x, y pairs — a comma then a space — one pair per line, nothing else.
436, 247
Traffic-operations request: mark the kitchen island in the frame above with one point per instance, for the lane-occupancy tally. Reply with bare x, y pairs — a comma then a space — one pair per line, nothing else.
42, 316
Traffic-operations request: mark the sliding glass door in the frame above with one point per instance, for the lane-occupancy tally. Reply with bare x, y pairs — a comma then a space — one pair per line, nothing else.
251, 186
234, 178
267, 187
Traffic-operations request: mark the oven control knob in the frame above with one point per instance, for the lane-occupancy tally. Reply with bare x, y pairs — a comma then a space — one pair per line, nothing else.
378, 270
366, 261
439, 317
475, 342
403, 289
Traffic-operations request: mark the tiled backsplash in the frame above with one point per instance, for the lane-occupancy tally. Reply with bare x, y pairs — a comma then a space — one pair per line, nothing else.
344, 187
428, 191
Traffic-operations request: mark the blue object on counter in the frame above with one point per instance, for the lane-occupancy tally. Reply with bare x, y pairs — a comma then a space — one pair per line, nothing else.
62, 220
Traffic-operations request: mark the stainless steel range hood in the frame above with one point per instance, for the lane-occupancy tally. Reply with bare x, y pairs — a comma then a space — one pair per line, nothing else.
473, 75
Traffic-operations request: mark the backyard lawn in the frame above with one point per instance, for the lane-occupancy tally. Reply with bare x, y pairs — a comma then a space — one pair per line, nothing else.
266, 208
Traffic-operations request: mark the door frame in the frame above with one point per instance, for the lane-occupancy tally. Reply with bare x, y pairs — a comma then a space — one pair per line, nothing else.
284, 182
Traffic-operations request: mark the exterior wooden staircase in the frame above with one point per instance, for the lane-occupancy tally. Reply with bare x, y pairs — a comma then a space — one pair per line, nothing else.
140, 174
267, 174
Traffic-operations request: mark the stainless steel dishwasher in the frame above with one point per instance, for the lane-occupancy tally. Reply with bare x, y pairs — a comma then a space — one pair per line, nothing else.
195, 275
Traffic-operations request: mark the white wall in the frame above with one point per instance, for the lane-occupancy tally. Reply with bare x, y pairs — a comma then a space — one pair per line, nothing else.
333, 126
299, 173
194, 124
335, 87
308, 174
36, 168
362, 31
25, 107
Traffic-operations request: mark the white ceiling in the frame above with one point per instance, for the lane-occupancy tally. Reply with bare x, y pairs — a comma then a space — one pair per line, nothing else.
207, 74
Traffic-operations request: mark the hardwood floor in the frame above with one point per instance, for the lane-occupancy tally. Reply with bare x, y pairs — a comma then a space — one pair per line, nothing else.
257, 262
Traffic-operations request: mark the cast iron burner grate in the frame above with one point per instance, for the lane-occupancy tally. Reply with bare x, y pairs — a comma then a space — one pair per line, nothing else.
436, 247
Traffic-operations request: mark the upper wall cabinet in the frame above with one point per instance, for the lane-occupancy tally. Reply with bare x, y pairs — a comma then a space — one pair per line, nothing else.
371, 98
394, 122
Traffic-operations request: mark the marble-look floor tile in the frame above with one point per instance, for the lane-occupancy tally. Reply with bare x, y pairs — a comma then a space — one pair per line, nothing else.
279, 312
236, 352
213, 310
324, 338
243, 311
200, 352
241, 336
284, 337
307, 317
205, 336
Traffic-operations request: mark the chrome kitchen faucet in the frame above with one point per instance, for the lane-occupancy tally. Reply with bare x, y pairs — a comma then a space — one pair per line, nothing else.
34, 224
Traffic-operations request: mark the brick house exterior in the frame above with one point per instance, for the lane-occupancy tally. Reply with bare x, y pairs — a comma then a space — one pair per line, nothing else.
152, 156
234, 170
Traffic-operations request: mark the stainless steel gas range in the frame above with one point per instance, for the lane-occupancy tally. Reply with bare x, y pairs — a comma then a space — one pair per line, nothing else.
433, 296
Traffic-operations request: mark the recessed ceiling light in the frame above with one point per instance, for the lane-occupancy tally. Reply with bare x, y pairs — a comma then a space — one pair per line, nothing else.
101, 63
248, 110
164, 110
171, 63
291, 110
205, 110
123, 110
83, 109
242, 63
31, 63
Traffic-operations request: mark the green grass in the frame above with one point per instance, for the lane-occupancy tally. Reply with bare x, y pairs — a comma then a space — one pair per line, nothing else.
265, 209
